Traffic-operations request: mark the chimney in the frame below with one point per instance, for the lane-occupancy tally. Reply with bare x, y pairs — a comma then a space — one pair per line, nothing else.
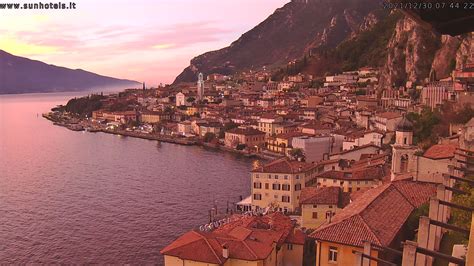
225, 252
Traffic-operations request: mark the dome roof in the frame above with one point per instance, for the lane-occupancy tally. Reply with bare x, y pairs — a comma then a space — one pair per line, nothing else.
404, 125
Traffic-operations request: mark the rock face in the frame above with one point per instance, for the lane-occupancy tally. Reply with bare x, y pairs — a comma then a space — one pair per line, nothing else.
343, 34
287, 34
415, 52
22, 75
411, 52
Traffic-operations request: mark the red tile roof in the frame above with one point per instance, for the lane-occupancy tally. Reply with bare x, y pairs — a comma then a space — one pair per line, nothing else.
285, 166
245, 131
440, 151
247, 238
377, 215
324, 195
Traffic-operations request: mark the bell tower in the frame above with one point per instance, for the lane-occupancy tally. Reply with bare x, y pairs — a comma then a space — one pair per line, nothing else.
200, 86
404, 160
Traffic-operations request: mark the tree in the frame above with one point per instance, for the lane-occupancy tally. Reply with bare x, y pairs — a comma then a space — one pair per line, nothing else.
240, 147
190, 99
462, 218
296, 153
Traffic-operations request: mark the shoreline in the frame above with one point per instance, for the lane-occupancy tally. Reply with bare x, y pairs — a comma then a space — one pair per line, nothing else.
158, 138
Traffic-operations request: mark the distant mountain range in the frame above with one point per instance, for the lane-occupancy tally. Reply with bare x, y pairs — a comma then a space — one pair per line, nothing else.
22, 75
334, 36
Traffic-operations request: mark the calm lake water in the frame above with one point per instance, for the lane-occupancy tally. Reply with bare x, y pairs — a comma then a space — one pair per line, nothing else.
73, 197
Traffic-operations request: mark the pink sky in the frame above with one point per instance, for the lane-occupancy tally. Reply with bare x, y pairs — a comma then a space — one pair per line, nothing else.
143, 40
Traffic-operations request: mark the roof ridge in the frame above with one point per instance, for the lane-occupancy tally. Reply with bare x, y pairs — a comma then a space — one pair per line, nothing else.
403, 195
370, 229
251, 251
209, 244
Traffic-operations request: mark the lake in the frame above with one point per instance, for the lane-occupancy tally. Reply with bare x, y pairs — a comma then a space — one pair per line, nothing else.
75, 197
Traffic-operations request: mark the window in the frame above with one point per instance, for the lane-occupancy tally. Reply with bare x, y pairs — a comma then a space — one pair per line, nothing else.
330, 206
256, 176
297, 187
289, 246
332, 254
276, 186
315, 206
285, 187
276, 176
297, 176
257, 196
286, 177
257, 185
315, 215
285, 198
269, 176
350, 189
328, 215
334, 181
267, 186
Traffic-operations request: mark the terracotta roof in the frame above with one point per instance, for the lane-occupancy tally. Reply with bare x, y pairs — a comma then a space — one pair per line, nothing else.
285, 166
389, 115
377, 215
440, 151
245, 131
247, 238
324, 195
359, 173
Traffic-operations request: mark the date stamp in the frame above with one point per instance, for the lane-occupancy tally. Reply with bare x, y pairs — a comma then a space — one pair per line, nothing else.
414, 5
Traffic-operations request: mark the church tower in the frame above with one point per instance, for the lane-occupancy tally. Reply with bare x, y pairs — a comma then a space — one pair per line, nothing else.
404, 160
200, 87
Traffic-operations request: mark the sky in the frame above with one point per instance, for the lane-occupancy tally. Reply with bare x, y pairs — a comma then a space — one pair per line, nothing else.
142, 40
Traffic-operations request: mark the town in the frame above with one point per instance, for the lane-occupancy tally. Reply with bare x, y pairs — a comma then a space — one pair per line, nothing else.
348, 170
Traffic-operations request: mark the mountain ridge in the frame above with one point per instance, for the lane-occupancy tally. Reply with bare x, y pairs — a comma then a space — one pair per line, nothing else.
23, 75
287, 34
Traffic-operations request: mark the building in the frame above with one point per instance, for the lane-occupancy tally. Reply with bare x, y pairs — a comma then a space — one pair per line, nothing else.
268, 123
436, 93
379, 216
356, 153
350, 180
278, 184
185, 128
154, 117
319, 205
269, 240
315, 148
282, 143
200, 87
121, 117
358, 139
435, 162
181, 99
249, 137
387, 121
403, 151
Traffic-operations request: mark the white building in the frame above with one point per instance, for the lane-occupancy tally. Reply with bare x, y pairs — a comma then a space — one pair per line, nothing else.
180, 99
200, 87
316, 148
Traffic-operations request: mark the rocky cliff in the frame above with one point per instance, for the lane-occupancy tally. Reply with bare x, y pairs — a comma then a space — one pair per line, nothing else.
339, 35
287, 34
414, 53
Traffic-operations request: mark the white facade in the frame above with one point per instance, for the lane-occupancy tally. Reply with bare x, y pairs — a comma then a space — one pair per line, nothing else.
180, 99
315, 148
200, 87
